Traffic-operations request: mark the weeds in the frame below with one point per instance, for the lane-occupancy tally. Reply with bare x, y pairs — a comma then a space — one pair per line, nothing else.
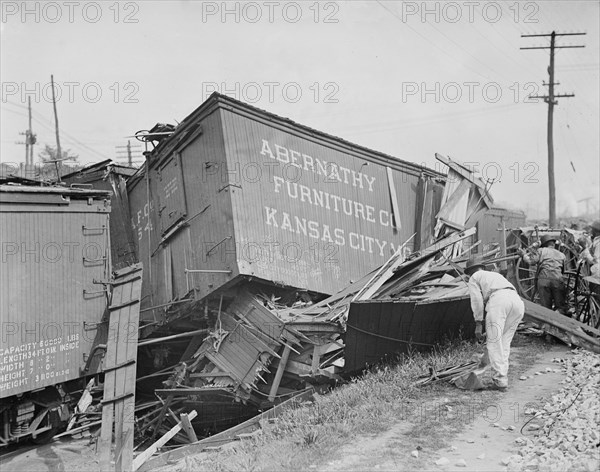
385, 395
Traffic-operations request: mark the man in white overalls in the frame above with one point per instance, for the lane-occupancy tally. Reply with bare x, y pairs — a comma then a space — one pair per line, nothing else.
494, 299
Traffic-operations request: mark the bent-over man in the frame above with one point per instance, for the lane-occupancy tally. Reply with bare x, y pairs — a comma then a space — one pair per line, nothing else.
494, 299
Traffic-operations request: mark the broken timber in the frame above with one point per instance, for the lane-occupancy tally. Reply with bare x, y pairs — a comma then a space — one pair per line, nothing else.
118, 404
148, 453
562, 327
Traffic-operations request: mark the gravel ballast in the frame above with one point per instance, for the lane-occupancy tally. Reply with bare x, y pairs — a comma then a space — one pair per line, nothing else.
563, 435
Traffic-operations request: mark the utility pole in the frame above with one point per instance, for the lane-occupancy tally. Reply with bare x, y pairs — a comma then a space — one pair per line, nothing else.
58, 150
31, 138
121, 150
550, 99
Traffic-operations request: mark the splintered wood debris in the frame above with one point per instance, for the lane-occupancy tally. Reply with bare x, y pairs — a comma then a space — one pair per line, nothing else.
257, 355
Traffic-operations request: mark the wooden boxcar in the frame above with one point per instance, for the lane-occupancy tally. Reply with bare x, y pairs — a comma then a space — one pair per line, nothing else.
237, 193
489, 227
55, 243
109, 176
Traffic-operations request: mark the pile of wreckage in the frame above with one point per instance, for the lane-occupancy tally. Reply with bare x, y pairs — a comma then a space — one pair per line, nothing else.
267, 348
264, 354
224, 344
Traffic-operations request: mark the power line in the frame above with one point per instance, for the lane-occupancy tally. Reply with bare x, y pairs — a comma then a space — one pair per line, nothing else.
40, 118
434, 44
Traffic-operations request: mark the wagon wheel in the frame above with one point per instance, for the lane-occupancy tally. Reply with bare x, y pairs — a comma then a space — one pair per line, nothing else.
526, 274
571, 257
584, 298
526, 280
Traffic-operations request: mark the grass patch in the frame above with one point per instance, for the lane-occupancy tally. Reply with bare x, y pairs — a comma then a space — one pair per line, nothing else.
316, 432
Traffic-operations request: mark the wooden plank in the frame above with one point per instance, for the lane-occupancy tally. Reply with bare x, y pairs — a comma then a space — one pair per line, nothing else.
453, 200
121, 354
105, 442
148, 453
564, 328
188, 428
129, 337
466, 174
279, 373
382, 274
394, 198
161, 415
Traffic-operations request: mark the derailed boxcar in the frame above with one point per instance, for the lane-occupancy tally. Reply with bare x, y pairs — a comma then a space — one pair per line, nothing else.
237, 193
55, 244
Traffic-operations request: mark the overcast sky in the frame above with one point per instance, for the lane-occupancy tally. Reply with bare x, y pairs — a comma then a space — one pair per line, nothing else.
406, 78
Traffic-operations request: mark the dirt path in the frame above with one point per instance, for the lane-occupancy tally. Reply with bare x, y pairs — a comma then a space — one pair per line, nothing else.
482, 446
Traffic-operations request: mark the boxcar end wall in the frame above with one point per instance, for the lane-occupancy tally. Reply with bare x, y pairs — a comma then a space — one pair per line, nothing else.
55, 242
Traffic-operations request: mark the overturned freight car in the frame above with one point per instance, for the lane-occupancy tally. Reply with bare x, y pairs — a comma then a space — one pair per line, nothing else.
55, 245
235, 193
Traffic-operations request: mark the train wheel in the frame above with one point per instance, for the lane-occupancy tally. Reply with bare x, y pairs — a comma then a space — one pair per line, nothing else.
49, 398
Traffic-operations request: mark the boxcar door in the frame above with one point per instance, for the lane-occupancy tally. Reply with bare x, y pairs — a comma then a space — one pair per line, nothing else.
171, 194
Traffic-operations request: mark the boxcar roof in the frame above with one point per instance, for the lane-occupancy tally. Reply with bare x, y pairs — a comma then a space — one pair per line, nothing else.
108, 164
217, 100
67, 191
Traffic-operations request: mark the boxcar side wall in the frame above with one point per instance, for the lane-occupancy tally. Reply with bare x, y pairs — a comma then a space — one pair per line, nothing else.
52, 251
308, 213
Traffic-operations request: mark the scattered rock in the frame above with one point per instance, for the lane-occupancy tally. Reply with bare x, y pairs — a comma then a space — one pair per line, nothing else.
470, 441
453, 448
495, 425
461, 463
481, 456
511, 428
442, 461
415, 454
506, 460
533, 427
523, 377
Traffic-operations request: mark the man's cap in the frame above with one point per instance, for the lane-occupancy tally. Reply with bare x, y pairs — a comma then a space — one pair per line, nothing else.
546, 238
472, 264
